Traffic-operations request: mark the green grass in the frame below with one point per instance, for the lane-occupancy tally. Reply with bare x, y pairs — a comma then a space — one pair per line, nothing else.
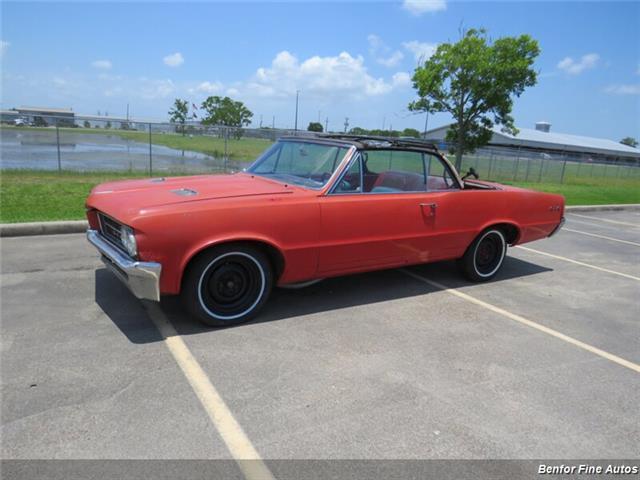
243, 149
29, 195
590, 192
36, 195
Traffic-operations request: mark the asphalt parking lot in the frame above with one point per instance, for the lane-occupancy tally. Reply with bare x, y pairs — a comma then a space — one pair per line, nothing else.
543, 362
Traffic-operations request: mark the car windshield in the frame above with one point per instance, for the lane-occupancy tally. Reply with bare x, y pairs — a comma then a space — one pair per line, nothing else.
300, 163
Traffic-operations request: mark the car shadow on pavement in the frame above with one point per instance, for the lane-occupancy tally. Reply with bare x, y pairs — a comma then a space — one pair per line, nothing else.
130, 316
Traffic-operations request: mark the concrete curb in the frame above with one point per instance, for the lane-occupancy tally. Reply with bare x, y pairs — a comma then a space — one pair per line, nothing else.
42, 228
602, 208
80, 226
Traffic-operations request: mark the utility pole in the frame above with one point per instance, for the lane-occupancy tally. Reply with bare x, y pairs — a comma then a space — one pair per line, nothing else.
426, 124
326, 125
260, 121
273, 122
346, 124
296, 124
127, 112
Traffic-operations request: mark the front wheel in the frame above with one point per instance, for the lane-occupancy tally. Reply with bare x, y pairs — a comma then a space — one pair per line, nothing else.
227, 285
485, 255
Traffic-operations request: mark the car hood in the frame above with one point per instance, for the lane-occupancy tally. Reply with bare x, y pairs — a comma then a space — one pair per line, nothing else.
124, 199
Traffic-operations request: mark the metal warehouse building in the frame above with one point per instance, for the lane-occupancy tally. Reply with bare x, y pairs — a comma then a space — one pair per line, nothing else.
542, 141
48, 116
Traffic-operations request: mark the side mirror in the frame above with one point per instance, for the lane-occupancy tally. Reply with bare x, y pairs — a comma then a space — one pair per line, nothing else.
471, 173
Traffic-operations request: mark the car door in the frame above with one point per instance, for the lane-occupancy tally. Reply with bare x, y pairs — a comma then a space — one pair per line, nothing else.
379, 213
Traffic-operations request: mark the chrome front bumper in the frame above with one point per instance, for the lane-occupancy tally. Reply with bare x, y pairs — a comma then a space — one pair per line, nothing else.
142, 278
557, 229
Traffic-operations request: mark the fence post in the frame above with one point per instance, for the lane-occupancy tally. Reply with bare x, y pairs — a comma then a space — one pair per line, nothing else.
58, 145
150, 154
564, 166
540, 172
226, 139
490, 166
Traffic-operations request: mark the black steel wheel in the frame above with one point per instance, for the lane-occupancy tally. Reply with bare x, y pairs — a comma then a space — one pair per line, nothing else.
227, 285
484, 257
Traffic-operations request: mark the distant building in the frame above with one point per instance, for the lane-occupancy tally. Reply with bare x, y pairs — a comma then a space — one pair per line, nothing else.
9, 116
42, 116
542, 141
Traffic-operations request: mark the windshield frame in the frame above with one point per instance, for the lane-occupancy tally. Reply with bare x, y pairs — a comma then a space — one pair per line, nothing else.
349, 150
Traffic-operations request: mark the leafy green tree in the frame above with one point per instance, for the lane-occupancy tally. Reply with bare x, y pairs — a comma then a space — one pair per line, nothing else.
108, 125
475, 81
358, 131
411, 132
227, 112
86, 124
315, 127
178, 113
630, 141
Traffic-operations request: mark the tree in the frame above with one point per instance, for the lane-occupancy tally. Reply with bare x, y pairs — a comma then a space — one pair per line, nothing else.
358, 131
108, 125
227, 112
315, 127
630, 141
178, 113
475, 81
411, 132
86, 124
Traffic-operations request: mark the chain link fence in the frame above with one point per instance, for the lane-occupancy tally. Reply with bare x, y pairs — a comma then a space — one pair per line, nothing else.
104, 144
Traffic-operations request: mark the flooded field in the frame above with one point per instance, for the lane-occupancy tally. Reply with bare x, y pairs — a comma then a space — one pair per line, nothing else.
38, 149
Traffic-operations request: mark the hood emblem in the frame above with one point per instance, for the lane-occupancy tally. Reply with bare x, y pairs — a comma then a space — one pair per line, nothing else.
185, 192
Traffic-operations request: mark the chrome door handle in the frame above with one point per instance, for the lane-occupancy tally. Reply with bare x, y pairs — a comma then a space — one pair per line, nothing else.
429, 209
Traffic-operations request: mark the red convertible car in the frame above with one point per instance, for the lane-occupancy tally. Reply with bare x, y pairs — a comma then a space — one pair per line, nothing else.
307, 209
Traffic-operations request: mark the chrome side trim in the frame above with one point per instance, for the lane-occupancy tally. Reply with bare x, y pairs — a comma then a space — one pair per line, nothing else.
142, 278
557, 229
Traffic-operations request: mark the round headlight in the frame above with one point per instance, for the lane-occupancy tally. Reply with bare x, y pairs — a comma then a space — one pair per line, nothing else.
128, 240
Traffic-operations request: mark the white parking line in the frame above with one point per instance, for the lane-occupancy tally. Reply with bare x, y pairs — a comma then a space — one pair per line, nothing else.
601, 236
529, 323
570, 260
591, 224
239, 445
617, 222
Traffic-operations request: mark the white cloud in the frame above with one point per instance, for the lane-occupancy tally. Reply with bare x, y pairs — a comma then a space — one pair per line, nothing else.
154, 89
381, 53
418, 7
401, 79
4, 46
102, 64
422, 51
207, 87
173, 60
232, 92
59, 82
623, 89
339, 76
573, 67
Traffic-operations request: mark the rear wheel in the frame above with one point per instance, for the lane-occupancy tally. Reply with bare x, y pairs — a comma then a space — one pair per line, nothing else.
485, 255
227, 285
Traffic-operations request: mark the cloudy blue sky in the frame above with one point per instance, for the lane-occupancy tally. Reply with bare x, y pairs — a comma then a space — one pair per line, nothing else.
347, 59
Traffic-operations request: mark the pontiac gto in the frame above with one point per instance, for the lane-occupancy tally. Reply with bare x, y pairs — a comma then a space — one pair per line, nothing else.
308, 208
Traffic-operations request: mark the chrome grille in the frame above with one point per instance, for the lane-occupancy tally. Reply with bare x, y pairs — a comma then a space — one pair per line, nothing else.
110, 229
